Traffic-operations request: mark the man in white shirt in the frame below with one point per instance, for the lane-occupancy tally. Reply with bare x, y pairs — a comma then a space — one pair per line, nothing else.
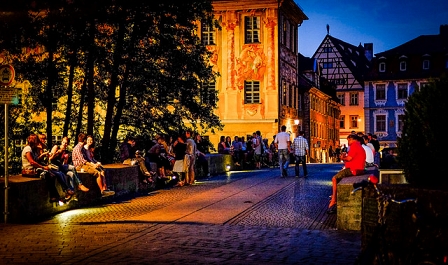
283, 143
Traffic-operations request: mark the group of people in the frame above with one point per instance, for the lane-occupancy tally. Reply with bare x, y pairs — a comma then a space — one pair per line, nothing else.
362, 153
177, 155
38, 161
252, 152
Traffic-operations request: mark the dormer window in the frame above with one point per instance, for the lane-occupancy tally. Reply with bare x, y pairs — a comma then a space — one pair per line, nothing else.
403, 63
382, 67
425, 64
403, 66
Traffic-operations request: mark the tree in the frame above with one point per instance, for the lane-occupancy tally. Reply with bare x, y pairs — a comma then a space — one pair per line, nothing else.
139, 65
421, 151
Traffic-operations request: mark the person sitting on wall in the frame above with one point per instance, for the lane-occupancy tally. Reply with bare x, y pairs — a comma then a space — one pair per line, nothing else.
355, 161
130, 157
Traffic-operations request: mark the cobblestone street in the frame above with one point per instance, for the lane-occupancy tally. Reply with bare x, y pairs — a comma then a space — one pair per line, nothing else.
247, 217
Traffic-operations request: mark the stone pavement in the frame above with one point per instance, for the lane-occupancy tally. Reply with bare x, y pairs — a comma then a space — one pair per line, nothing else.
250, 217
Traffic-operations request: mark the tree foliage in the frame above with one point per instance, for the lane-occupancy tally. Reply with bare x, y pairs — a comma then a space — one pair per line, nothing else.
420, 149
124, 67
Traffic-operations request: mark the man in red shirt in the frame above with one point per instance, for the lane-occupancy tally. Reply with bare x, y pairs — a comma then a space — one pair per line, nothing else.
354, 165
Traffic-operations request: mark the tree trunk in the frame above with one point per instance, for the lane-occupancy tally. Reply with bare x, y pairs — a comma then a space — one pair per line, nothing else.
68, 110
107, 150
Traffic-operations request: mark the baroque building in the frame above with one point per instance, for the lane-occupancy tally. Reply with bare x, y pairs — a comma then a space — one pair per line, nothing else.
255, 52
395, 75
345, 65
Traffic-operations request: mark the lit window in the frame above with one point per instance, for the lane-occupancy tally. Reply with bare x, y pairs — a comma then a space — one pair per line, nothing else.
380, 93
380, 123
402, 91
251, 92
354, 121
341, 98
354, 99
252, 29
209, 93
342, 122
207, 34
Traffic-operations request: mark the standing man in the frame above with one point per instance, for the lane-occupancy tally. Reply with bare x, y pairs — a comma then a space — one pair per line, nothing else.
355, 161
283, 143
191, 151
300, 148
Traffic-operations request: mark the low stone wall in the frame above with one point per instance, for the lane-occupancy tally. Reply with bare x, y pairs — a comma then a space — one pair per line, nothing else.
217, 164
349, 206
28, 198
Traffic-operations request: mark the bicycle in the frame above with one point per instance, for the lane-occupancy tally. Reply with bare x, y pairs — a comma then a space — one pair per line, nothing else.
380, 250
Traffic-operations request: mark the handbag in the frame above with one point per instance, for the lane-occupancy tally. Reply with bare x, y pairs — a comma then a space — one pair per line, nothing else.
29, 173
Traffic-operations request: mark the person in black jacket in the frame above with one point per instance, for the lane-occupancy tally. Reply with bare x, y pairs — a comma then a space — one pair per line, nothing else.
130, 157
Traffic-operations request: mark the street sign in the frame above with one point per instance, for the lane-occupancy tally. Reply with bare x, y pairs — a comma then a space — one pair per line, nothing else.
7, 94
7, 75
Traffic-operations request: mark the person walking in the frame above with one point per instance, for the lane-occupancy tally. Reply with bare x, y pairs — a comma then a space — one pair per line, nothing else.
300, 148
283, 144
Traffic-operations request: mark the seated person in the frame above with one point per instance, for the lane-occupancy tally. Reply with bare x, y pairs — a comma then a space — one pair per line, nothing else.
31, 167
59, 156
81, 162
128, 157
355, 162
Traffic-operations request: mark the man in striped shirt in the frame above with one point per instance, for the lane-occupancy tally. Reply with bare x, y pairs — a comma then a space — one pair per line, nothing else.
300, 148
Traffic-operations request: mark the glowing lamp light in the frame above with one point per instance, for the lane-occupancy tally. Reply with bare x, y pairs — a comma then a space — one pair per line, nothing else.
296, 122
227, 167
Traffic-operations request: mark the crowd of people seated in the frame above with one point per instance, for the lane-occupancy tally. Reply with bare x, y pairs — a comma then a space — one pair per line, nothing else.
255, 152
57, 165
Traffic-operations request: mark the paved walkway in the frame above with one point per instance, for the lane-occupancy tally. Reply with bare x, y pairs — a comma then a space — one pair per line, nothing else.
251, 217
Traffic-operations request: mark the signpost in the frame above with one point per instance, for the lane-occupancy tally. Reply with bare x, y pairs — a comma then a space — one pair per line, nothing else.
7, 94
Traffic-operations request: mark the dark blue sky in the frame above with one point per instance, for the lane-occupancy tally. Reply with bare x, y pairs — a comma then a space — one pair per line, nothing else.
385, 23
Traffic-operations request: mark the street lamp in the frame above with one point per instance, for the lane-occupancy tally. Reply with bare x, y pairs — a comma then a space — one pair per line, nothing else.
296, 122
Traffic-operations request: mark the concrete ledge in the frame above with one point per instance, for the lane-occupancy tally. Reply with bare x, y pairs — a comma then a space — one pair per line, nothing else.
392, 176
28, 197
349, 206
217, 164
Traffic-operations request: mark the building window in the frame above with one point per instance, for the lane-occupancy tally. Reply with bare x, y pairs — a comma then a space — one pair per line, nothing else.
342, 122
339, 81
400, 122
425, 64
209, 93
328, 49
284, 31
403, 66
402, 91
327, 65
284, 93
354, 99
354, 121
252, 29
207, 34
380, 123
341, 97
382, 67
380, 93
251, 92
